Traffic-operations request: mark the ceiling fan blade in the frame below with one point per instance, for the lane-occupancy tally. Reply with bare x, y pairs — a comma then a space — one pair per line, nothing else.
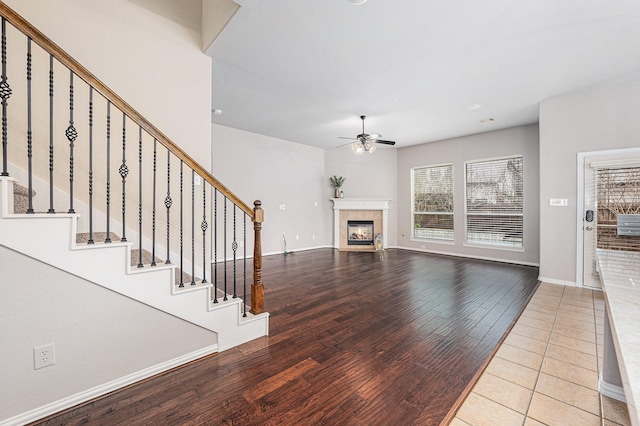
384, 142
344, 137
344, 144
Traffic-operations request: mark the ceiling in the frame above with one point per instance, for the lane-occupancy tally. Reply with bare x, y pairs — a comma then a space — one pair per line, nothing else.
305, 70
187, 13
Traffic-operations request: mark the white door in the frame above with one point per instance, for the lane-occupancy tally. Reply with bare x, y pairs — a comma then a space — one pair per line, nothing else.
591, 277
593, 166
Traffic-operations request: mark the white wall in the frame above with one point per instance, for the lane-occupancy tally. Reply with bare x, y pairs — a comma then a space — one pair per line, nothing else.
154, 64
277, 172
604, 118
99, 335
515, 141
367, 176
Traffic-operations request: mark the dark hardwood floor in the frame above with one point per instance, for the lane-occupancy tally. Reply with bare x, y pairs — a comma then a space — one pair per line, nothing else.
382, 338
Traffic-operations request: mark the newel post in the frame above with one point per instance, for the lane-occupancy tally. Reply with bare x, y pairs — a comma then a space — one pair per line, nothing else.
257, 288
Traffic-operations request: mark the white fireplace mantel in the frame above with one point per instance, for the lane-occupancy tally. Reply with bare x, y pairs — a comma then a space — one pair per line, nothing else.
381, 204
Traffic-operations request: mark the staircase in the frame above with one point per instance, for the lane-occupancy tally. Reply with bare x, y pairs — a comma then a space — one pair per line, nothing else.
112, 200
113, 266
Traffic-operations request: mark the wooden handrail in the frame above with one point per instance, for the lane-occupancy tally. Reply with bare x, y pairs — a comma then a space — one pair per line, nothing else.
64, 58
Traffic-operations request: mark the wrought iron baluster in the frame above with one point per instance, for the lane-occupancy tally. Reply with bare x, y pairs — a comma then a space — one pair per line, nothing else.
140, 265
234, 247
181, 229
51, 210
153, 213
224, 252
71, 134
193, 227
108, 238
5, 93
168, 202
124, 171
244, 277
29, 134
90, 240
204, 227
215, 245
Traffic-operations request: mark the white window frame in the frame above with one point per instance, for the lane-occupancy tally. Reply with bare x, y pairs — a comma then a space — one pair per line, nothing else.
433, 238
509, 246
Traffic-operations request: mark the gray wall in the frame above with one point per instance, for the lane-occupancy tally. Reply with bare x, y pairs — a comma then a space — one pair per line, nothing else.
516, 141
280, 172
604, 118
99, 335
367, 176
277, 172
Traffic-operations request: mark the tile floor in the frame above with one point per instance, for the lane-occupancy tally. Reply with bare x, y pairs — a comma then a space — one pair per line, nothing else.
546, 371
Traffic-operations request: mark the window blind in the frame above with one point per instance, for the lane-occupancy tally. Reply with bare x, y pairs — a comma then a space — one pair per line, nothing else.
618, 192
494, 202
433, 202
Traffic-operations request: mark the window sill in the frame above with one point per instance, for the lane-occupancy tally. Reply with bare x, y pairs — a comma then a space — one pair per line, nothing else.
432, 240
494, 247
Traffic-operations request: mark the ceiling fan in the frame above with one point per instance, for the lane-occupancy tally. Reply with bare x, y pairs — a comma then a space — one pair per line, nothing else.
364, 142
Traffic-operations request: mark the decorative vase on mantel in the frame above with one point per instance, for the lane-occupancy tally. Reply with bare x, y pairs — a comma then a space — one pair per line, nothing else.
336, 182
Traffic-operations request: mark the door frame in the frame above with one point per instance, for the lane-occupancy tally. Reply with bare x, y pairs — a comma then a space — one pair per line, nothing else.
582, 159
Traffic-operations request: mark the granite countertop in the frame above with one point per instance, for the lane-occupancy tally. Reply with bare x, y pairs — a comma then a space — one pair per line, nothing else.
620, 273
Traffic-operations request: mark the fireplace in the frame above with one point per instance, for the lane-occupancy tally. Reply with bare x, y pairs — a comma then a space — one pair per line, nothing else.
369, 210
360, 232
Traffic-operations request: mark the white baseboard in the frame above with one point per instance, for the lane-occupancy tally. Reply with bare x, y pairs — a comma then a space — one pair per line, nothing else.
558, 282
73, 400
466, 256
612, 391
296, 250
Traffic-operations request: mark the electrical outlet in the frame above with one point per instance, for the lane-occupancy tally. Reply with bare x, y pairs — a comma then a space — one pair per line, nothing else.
196, 180
44, 356
297, 237
281, 206
313, 237
315, 204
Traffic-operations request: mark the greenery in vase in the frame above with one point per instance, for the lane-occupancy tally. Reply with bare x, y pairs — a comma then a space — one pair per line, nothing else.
336, 181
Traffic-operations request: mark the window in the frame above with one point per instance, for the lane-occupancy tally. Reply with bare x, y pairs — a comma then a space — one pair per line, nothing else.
433, 202
618, 192
494, 202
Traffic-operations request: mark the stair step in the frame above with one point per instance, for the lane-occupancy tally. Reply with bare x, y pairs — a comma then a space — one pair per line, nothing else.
21, 204
146, 260
98, 237
21, 198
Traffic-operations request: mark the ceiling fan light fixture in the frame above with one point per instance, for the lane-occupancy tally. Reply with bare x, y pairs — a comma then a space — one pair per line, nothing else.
356, 2
365, 142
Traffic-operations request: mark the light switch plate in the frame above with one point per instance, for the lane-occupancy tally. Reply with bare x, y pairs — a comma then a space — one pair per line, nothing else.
558, 202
